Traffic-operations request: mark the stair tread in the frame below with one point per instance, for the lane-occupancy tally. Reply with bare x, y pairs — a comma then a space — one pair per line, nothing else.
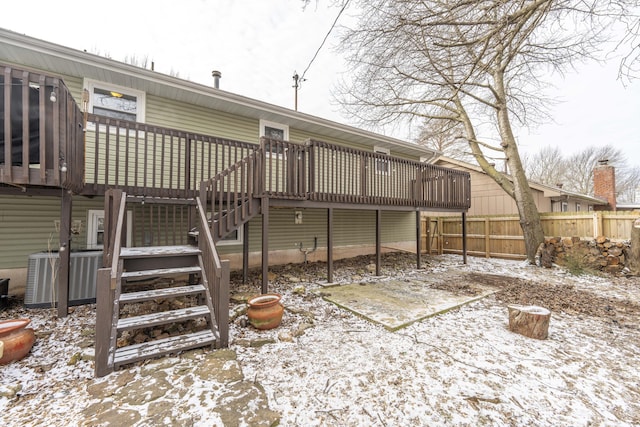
160, 347
161, 293
158, 251
163, 317
160, 272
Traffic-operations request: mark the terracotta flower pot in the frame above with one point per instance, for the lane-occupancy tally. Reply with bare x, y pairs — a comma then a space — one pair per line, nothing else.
265, 311
16, 339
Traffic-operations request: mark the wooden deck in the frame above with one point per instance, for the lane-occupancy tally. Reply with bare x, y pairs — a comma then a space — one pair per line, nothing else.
47, 142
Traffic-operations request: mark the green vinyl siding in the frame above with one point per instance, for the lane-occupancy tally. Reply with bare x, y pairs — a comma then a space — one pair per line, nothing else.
192, 118
27, 226
351, 227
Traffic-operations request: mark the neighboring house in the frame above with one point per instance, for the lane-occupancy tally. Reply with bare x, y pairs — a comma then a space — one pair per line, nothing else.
488, 198
157, 137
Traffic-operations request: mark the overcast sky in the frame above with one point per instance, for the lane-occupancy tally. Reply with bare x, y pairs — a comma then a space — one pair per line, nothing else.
259, 44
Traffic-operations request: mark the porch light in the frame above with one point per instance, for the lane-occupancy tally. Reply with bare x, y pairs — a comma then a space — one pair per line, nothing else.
63, 168
53, 97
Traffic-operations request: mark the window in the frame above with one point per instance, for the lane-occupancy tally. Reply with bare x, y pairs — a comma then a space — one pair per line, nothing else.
382, 165
578, 207
233, 238
274, 130
95, 229
115, 101
565, 207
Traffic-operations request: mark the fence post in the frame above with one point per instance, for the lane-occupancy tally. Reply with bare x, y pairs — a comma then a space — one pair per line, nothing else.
597, 224
634, 253
487, 238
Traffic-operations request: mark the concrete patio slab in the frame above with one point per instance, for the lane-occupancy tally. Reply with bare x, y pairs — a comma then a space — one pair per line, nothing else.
396, 304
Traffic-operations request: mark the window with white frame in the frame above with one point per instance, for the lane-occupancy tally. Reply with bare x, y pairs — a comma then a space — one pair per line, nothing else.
565, 207
382, 165
578, 207
95, 228
114, 101
233, 238
275, 131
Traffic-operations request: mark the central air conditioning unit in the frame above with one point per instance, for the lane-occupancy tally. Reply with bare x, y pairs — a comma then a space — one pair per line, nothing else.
43, 268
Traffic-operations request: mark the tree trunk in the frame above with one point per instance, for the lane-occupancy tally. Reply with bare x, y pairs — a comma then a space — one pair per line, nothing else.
530, 321
527, 209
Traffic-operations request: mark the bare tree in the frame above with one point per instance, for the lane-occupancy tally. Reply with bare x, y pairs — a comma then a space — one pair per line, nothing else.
447, 137
477, 63
575, 172
546, 166
578, 171
138, 61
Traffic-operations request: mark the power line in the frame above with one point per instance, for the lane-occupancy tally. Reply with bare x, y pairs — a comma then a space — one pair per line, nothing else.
344, 6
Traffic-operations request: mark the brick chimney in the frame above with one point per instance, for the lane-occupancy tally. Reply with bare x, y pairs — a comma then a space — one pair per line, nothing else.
604, 183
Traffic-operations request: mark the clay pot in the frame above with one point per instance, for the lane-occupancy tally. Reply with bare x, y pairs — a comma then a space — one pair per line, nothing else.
16, 339
265, 311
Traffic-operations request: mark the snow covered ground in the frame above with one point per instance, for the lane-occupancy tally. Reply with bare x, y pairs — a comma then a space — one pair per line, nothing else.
327, 367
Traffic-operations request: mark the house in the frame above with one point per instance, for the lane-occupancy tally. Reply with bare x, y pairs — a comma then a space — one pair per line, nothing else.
169, 177
488, 198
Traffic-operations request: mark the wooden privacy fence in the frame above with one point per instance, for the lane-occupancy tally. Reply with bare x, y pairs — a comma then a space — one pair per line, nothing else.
501, 236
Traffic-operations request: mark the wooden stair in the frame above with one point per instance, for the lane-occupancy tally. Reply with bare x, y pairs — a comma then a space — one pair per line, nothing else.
159, 263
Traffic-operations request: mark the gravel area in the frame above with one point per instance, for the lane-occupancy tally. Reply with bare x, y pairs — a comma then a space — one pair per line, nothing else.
324, 366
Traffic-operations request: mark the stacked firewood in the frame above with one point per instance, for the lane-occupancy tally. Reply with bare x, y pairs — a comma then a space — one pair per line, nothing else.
598, 254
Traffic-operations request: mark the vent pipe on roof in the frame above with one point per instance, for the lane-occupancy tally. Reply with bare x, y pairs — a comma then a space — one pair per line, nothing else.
216, 78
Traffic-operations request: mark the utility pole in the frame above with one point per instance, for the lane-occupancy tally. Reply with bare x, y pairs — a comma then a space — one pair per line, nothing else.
296, 78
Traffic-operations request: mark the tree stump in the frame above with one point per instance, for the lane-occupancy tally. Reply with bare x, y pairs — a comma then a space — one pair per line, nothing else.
529, 320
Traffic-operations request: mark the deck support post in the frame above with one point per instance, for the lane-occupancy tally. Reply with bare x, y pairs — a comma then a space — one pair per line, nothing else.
378, 238
330, 245
105, 297
245, 252
418, 239
64, 254
265, 245
464, 237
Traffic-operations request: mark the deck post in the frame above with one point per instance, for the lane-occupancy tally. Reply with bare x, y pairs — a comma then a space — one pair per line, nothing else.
222, 303
330, 245
64, 254
418, 239
245, 252
464, 237
265, 245
378, 246
104, 317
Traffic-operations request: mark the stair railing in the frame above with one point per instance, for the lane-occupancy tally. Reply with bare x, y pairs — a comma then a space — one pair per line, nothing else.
231, 196
216, 274
108, 276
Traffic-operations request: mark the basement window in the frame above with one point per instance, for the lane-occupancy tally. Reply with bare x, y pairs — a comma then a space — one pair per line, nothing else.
233, 238
95, 228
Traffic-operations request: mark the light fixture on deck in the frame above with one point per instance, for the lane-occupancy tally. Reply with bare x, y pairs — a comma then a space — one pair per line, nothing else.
62, 163
53, 97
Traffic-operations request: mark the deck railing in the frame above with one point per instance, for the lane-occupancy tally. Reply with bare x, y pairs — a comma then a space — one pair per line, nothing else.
41, 131
42, 143
154, 161
330, 173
